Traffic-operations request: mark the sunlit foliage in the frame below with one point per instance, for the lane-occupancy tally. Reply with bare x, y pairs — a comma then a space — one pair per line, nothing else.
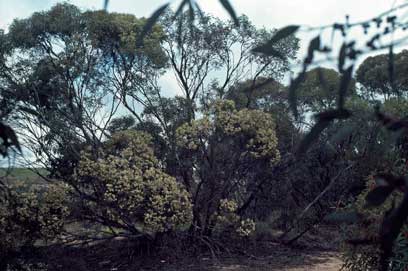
29, 214
123, 187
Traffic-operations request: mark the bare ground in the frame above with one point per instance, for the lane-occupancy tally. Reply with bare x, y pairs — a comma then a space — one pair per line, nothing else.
310, 254
313, 252
290, 260
317, 261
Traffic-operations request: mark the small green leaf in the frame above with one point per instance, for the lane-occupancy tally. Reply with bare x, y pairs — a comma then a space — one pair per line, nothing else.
150, 23
378, 195
227, 5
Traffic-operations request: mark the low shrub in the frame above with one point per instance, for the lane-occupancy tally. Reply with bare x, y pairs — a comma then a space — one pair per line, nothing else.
30, 216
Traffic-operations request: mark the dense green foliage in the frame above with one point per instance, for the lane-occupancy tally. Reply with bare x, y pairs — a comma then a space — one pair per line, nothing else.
122, 187
29, 215
373, 75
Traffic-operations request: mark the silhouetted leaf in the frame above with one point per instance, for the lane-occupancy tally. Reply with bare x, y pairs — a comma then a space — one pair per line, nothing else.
330, 115
312, 136
314, 45
191, 11
371, 42
323, 121
397, 136
9, 137
342, 57
378, 195
284, 33
391, 123
343, 133
105, 4
200, 11
227, 5
268, 47
344, 85
150, 23
269, 51
180, 8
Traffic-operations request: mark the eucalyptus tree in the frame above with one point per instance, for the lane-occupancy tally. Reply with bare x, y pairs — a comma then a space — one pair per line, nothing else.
209, 55
376, 81
66, 73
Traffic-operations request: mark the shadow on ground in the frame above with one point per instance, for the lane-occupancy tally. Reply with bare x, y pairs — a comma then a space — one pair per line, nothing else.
277, 257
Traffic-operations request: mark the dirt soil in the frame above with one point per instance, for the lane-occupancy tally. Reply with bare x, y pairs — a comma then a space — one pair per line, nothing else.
310, 253
313, 252
290, 260
328, 261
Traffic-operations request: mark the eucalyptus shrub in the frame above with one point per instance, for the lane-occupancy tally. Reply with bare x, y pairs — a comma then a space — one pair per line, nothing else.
123, 187
29, 215
227, 218
222, 146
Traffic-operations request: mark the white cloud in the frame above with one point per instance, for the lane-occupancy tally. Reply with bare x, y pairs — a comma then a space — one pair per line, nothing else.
169, 85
